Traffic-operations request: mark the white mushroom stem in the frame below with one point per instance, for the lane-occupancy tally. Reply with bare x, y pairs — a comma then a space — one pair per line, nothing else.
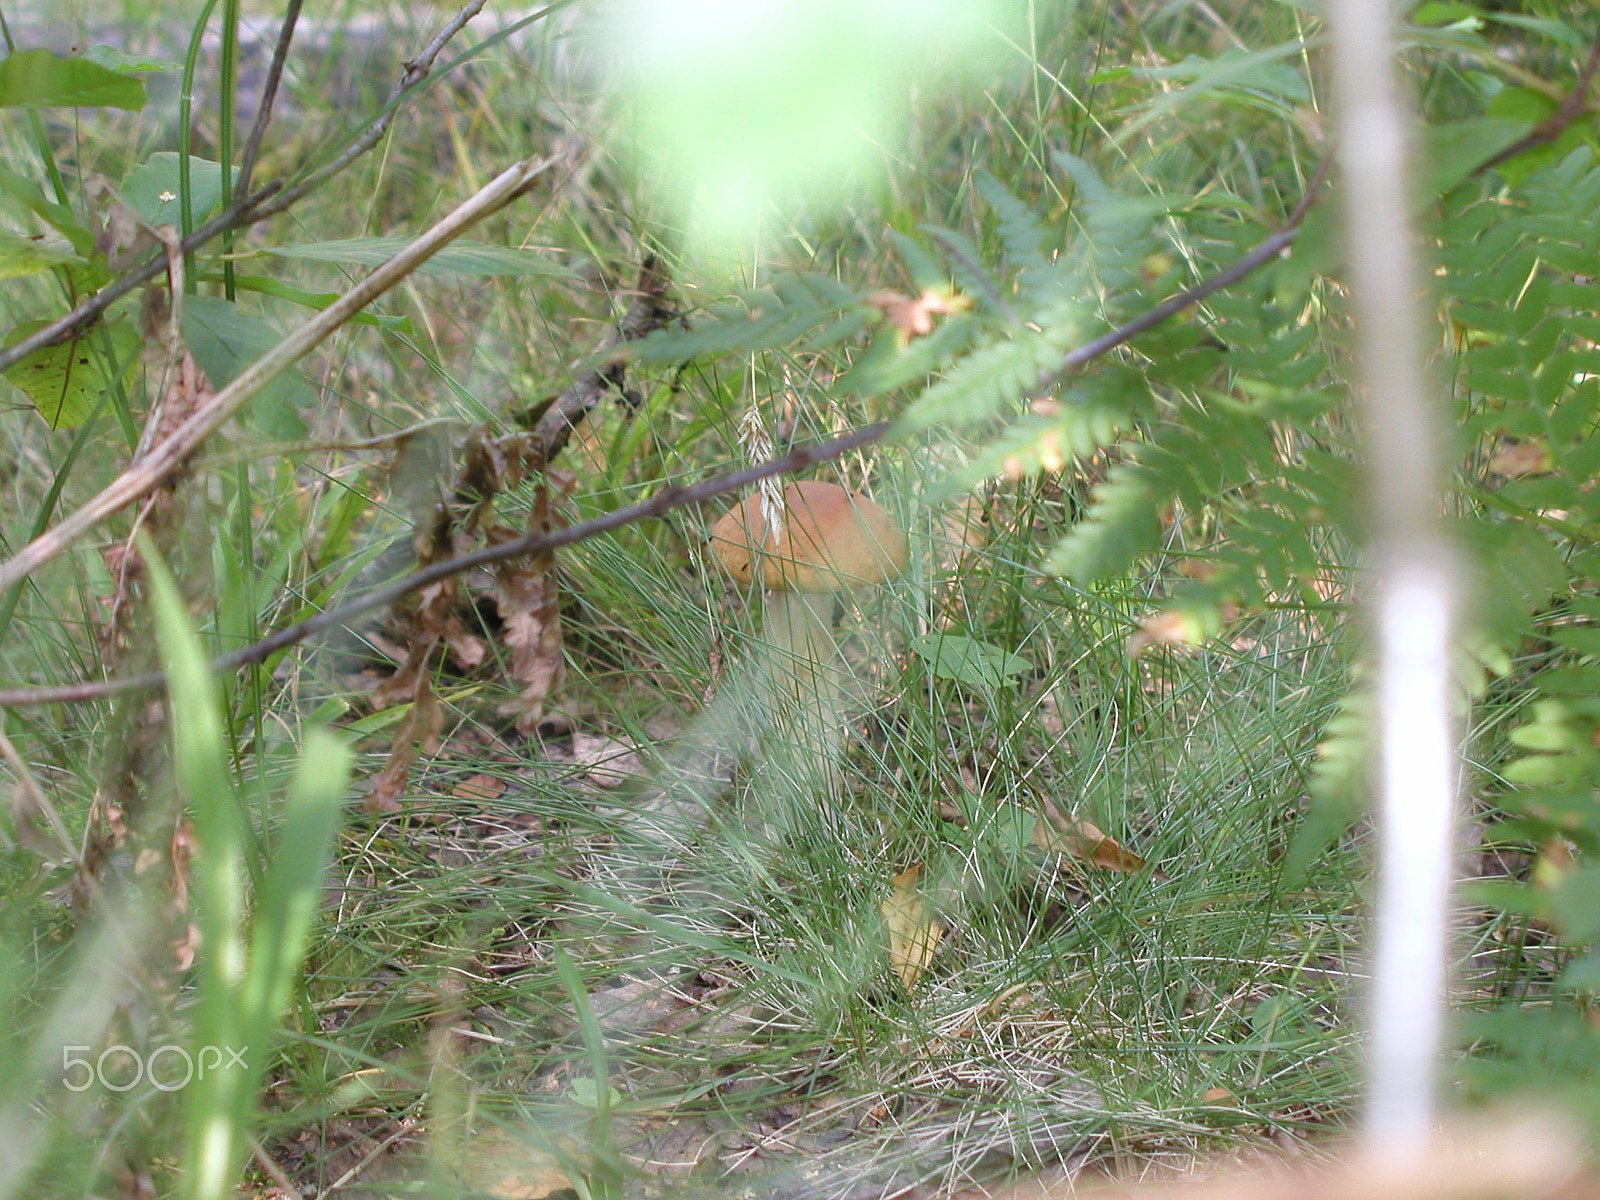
808, 671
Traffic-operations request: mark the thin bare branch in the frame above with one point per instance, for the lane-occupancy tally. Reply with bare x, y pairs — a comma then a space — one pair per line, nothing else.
1570, 109
147, 473
269, 97
415, 72
662, 502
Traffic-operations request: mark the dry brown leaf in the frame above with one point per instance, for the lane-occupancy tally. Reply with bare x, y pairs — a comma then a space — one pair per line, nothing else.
1516, 459
419, 731
912, 316
479, 787
530, 608
1064, 833
1169, 628
1218, 1095
914, 931
610, 763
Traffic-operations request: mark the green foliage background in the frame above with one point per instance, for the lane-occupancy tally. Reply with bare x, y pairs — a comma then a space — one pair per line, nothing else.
1180, 559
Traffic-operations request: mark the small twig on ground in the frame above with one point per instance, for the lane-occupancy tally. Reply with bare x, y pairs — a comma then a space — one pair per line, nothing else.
150, 470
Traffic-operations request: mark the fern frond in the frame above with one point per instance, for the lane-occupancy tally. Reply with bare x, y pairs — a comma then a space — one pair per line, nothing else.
992, 379
1122, 525
812, 309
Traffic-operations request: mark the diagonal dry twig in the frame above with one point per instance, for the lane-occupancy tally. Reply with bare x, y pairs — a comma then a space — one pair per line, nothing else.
269, 97
162, 460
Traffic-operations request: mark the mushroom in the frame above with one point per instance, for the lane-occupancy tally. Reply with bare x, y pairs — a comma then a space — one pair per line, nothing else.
829, 540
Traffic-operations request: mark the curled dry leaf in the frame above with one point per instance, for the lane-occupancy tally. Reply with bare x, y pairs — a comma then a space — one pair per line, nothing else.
1063, 833
914, 931
1515, 459
418, 732
912, 316
530, 608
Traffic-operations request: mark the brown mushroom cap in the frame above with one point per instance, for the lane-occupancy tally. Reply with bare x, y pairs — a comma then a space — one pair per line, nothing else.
833, 540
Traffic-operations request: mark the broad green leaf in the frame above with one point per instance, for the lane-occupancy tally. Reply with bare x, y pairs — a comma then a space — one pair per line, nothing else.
267, 286
974, 664
65, 381
31, 196
151, 188
458, 258
28, 256
128, 64
224, 340
39, 79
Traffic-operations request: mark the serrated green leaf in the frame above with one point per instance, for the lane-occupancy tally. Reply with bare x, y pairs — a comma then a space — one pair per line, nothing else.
458, 258
67, 380
1121, 525
986, 382
40, 79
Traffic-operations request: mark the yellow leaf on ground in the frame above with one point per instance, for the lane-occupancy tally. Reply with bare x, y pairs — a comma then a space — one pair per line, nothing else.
914, 931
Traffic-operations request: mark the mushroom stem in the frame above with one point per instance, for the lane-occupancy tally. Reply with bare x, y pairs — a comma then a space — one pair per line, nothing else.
807, 673
807, 686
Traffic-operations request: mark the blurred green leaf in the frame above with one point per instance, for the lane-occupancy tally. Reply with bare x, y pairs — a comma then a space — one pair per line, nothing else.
458, 258
129, 64
39, 79
742, 107
29, 255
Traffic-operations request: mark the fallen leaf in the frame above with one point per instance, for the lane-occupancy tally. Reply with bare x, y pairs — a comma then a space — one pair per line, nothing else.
530, 608
479, 787
914, 931
912, 316
419, 731
611, 763
1516, 459
1218, 1095
1063, 833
